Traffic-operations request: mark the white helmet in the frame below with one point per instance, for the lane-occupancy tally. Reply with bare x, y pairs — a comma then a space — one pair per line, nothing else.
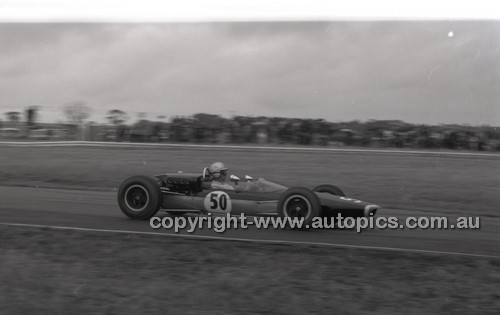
216, 168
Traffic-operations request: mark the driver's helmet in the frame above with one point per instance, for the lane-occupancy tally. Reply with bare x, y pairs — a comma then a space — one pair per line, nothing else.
215, 169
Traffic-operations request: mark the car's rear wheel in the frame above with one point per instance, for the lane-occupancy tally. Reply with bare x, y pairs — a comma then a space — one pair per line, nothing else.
300, 203
331, 189
139, 197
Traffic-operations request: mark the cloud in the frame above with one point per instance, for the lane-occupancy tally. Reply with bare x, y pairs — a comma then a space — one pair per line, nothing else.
334, 70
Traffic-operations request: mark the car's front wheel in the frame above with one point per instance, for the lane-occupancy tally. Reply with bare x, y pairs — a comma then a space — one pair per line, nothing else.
299, 203
139, 197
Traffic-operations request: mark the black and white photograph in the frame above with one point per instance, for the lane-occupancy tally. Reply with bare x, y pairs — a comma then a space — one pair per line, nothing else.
249, 157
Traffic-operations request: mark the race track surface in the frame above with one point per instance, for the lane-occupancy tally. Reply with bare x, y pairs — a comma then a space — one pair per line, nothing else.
99, 210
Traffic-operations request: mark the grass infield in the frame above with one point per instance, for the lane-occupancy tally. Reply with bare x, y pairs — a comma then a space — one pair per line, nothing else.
47, 271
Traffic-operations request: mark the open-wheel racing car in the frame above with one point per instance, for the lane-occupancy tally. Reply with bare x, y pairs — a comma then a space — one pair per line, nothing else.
141, 197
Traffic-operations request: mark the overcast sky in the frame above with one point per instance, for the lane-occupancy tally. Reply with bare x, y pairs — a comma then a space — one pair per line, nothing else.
423, 72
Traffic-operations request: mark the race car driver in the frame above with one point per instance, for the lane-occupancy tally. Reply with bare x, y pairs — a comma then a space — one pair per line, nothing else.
216, 179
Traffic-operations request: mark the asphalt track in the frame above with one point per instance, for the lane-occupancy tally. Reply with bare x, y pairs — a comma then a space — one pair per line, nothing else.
99, 210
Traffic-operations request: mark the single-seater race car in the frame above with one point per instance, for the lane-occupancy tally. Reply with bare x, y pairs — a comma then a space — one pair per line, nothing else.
141, 197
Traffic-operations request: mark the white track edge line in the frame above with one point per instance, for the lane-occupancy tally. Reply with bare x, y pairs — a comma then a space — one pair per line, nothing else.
231, 147
206, 237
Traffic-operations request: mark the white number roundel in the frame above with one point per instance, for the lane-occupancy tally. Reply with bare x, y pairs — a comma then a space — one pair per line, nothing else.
217, 201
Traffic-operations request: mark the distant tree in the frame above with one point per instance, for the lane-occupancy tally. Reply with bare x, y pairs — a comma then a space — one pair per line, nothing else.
304, 132
451, 140
13, 116
117, 117
376, 128
141, 130
76, 112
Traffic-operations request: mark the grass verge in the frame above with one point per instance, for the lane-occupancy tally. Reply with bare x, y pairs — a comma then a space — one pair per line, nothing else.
49, 271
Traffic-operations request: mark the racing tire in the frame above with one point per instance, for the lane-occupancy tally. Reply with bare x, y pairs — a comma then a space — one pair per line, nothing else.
331, 189
299, 202
139, 197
